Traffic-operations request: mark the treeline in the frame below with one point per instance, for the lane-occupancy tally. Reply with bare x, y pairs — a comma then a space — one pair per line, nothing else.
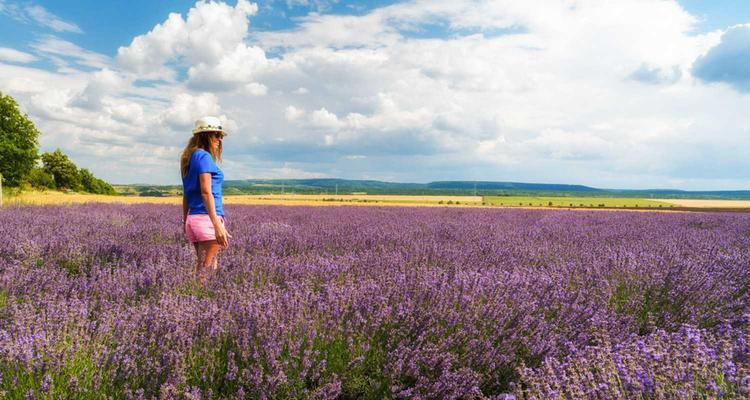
22, 166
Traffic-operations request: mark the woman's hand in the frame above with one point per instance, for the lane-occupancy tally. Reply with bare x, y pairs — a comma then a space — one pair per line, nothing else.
222, 236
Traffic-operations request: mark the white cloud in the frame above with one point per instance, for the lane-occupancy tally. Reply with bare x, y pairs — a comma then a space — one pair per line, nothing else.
46, 18
126, 112
63, 50
53, 104
23, 81
289, 171
256, 89
186, 108
564, 145
15, 56
318, 5
31, 12
296, 3
324, 119
103, 83
148, 53
542, 92
236, 67
537, 90
292, 113
656, 75
210, 40
318, 30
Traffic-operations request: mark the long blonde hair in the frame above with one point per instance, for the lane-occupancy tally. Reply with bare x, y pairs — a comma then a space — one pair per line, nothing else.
198, 141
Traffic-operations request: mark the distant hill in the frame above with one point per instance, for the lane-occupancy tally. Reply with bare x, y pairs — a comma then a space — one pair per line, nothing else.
479, 188
380, 187
481, 185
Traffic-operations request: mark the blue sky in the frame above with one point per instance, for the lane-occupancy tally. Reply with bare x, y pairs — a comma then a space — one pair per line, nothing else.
632, 94
718, 14
109, 25
113, 24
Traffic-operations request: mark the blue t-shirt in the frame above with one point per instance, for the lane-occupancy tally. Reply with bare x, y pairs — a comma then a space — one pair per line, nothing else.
200, 163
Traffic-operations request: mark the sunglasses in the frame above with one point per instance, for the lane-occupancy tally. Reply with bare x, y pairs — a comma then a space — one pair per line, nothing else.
218, 135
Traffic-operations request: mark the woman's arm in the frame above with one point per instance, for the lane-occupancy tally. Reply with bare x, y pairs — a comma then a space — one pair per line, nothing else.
222, 237
184, 208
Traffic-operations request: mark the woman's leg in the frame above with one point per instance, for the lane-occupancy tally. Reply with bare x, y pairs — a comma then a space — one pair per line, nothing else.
207, 259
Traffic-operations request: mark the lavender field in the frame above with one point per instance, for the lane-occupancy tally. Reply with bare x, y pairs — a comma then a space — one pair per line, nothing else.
97, 301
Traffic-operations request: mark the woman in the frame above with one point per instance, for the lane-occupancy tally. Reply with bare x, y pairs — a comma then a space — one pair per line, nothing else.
202, 210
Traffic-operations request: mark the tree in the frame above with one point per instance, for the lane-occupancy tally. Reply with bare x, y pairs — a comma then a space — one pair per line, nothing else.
93, 184
88, 180
40, 179
18, 142
62, 170
104, 187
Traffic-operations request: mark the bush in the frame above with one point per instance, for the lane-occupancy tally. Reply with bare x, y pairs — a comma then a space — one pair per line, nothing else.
40, 179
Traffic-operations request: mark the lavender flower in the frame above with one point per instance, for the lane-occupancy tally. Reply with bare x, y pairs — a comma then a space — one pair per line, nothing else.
350, 302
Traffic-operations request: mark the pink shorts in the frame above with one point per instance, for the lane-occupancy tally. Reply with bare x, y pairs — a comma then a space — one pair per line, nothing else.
198, 228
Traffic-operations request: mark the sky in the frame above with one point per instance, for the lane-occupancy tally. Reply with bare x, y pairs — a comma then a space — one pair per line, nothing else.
607, 93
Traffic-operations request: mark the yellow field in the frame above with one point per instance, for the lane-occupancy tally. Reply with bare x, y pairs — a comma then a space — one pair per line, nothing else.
577, 202
353, 199
708, 203
52, 197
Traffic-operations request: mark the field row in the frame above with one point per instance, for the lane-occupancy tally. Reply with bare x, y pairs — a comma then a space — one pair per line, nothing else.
98, 301
51, 197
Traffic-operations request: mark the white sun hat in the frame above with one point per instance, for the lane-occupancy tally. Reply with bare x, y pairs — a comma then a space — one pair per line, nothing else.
208, 124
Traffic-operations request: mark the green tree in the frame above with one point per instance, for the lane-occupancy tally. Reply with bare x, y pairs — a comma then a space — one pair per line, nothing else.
88, 180
93, 184
105, 188
18, 142
38, 178
62, 170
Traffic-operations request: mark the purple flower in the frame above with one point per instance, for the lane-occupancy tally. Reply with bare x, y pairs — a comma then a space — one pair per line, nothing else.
46, 383
460, 303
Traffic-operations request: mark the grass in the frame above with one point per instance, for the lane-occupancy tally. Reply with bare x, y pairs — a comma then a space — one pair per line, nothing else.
79, 378
9, 193
588, 202
3, 298
359, 365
